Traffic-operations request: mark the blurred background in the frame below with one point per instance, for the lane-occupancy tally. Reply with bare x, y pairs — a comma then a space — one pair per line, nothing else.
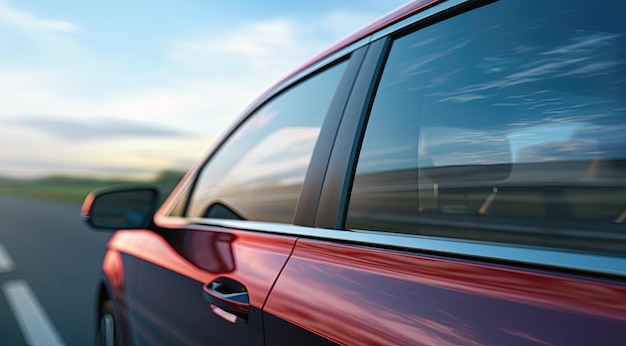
121, 90
98, 93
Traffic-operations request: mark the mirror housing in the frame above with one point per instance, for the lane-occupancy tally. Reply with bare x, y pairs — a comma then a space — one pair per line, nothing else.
120, 207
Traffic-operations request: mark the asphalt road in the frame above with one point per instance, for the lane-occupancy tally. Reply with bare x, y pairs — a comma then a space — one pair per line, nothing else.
49, 267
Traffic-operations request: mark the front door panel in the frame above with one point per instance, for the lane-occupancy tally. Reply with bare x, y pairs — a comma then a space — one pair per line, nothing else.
174, 291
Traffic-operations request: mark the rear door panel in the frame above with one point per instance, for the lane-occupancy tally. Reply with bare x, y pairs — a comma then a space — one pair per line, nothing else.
362, 295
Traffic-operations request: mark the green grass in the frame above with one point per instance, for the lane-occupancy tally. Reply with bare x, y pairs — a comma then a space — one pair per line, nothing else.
74, 190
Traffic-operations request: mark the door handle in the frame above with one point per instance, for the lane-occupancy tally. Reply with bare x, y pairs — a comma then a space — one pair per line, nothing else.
228, 299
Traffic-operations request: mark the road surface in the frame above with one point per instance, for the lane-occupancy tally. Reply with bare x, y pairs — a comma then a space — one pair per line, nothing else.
49, 267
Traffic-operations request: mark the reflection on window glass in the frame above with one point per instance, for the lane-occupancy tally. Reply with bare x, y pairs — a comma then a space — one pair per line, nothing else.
502, 124
258, 172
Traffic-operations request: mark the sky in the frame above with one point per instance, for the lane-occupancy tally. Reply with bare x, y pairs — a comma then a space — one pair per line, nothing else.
133, 87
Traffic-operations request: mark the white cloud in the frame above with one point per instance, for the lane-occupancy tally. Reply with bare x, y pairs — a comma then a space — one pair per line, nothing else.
31, 91
271, 47
234, 67
258, 40
25, 20
257, 47
228, 70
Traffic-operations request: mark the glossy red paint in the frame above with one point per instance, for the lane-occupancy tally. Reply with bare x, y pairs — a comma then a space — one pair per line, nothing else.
203, 254
114, 269
402, 298
159, 252
129, 242
86, 207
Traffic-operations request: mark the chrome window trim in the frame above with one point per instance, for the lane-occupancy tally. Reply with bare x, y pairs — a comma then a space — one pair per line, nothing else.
418, 17
534, 256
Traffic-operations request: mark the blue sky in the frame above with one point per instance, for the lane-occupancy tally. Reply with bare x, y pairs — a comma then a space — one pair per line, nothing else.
119, 87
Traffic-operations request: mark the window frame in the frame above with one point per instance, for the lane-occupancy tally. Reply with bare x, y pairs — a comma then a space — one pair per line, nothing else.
304, 214
336, 189
337, 186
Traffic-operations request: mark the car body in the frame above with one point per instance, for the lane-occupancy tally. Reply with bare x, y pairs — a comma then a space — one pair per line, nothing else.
454, 173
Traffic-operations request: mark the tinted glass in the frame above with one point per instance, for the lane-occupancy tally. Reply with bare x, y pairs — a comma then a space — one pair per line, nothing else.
257, 174
503, 124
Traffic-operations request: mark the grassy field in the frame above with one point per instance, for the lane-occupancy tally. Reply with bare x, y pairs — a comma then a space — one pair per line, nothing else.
73, 190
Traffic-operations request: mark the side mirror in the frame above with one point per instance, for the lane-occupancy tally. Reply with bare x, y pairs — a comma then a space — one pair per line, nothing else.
120, 207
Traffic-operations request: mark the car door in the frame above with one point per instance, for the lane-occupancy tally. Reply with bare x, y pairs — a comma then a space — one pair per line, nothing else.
223, 237
482, 203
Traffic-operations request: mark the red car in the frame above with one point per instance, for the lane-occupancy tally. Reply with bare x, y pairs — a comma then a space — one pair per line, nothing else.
452, 174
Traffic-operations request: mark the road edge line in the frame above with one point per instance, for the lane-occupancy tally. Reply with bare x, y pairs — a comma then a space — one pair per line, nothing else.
6, 262
36, 327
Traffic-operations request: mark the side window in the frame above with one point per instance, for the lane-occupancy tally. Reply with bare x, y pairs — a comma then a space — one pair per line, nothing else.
504, 124
258, 172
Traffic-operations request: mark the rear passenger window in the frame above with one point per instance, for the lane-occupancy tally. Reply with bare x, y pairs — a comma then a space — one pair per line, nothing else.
258, 172
504, 124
